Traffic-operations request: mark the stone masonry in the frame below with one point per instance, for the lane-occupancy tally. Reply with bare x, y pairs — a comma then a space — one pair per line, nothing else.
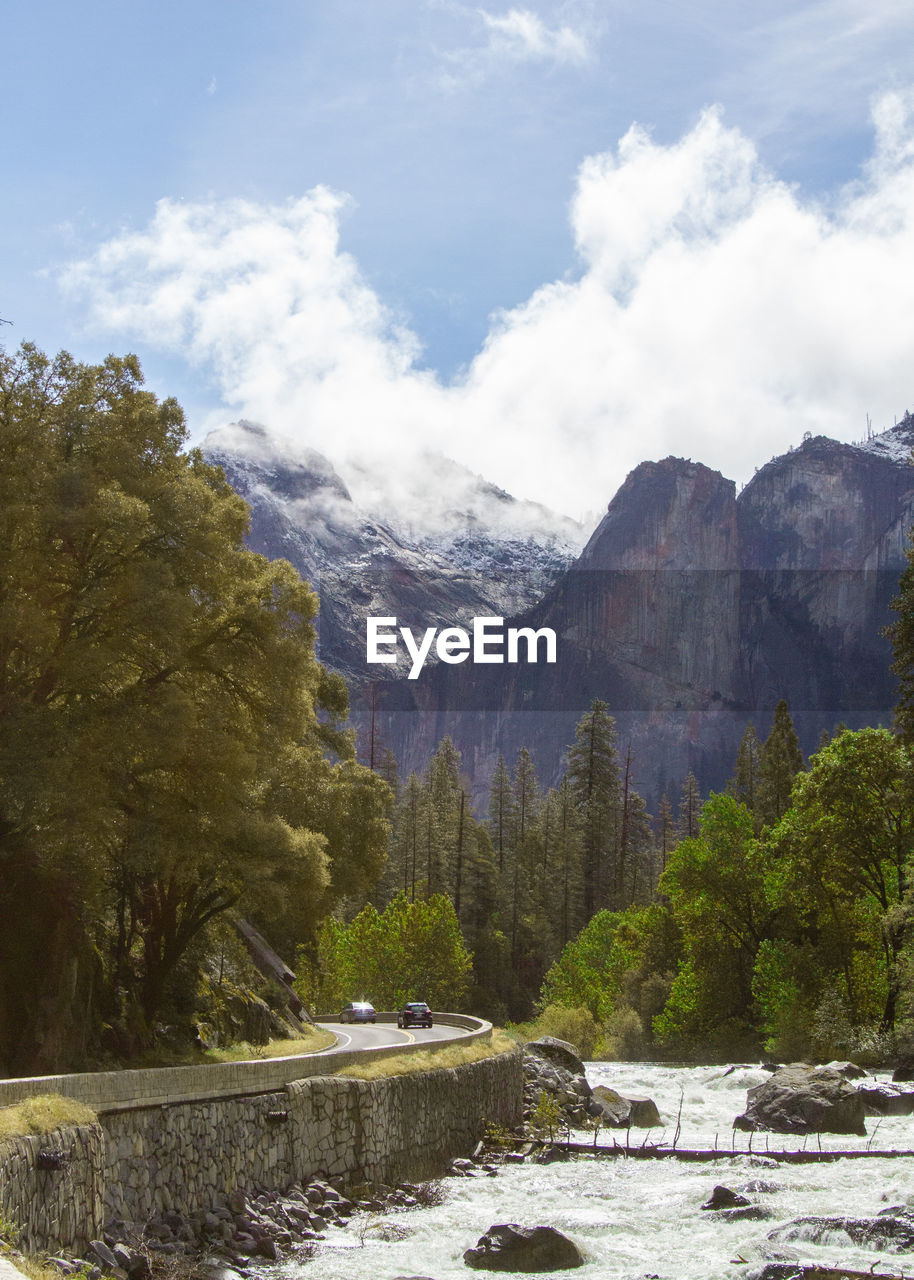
138, 1163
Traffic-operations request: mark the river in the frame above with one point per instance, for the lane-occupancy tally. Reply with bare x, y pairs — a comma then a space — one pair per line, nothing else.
637, 1218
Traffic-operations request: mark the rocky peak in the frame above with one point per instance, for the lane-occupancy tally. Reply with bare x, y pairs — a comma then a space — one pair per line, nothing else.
250, 456
673, 514
827, 505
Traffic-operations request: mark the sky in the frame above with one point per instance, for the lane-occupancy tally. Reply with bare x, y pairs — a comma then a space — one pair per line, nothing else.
548, 239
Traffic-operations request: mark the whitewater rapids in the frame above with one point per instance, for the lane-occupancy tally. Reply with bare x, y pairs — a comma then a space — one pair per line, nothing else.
643, 1218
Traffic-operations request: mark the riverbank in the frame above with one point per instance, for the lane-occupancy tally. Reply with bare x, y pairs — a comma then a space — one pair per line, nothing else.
634, 1218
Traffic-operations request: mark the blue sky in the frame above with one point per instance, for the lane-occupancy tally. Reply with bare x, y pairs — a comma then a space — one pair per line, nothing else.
447, 185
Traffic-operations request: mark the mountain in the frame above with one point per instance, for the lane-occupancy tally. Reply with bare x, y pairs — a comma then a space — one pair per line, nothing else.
476, 551
692, 609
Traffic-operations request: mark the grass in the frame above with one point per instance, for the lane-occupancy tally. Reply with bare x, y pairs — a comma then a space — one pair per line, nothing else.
449, 1055
34, 1266
312, 1043
43, 1113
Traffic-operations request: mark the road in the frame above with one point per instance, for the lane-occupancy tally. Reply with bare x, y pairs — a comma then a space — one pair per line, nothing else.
382, 1035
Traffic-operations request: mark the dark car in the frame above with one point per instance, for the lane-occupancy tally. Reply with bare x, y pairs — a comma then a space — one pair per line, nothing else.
415, 1014
359, 1011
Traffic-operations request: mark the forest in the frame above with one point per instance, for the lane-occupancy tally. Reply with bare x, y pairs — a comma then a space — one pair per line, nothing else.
174, 756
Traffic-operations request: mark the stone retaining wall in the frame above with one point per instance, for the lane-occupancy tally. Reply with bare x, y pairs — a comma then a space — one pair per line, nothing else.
54, 1208
137, 1163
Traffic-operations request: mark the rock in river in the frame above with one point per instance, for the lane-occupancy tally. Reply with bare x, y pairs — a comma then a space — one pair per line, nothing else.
801, 1099
622, 1113
508, 1247
724, 1198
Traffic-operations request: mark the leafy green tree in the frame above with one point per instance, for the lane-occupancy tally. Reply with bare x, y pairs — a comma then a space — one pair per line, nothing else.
409, 951
716, 886
588, 973
841, 856
156, 678
620, 963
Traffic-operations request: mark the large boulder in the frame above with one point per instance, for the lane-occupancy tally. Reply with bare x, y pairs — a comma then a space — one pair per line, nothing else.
616, 1109
508, 1247
849, 1070
559, 1052
644, 1113
801, 1099
892, 1231
886, 1099
624, 1113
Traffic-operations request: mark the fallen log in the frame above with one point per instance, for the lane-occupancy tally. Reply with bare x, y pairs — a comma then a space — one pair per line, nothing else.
815, 1271
650, 1151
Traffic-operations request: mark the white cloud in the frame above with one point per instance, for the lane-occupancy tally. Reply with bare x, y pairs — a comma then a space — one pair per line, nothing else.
516, 37
715, 314
520, 34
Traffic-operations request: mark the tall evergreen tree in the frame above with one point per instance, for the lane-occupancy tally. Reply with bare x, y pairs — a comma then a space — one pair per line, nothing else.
780, 761
404, 866
745, 782
634, 871
524, 815
500, 803
689, 808
666, 830
442, 818
389, 770
562, 886
593, 774
901, 633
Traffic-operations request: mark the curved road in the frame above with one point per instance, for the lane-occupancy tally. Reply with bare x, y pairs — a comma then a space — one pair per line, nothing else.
383, 1035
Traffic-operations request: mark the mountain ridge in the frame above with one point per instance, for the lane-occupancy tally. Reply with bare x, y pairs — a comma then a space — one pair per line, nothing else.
692, 608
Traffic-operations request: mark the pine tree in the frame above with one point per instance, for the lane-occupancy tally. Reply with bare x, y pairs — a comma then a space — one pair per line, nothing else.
780, 762
500, 802
441, 819
524, 814
408, 830
568, 878
639, 884
689, 808
901, 633
593, 773
666, 830
745, 782
389, 770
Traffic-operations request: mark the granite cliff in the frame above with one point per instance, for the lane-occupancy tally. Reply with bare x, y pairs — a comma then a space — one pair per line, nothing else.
691, 609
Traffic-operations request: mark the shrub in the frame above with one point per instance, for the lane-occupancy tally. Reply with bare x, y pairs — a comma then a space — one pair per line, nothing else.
578, 1026
547, 1116
625, 1038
